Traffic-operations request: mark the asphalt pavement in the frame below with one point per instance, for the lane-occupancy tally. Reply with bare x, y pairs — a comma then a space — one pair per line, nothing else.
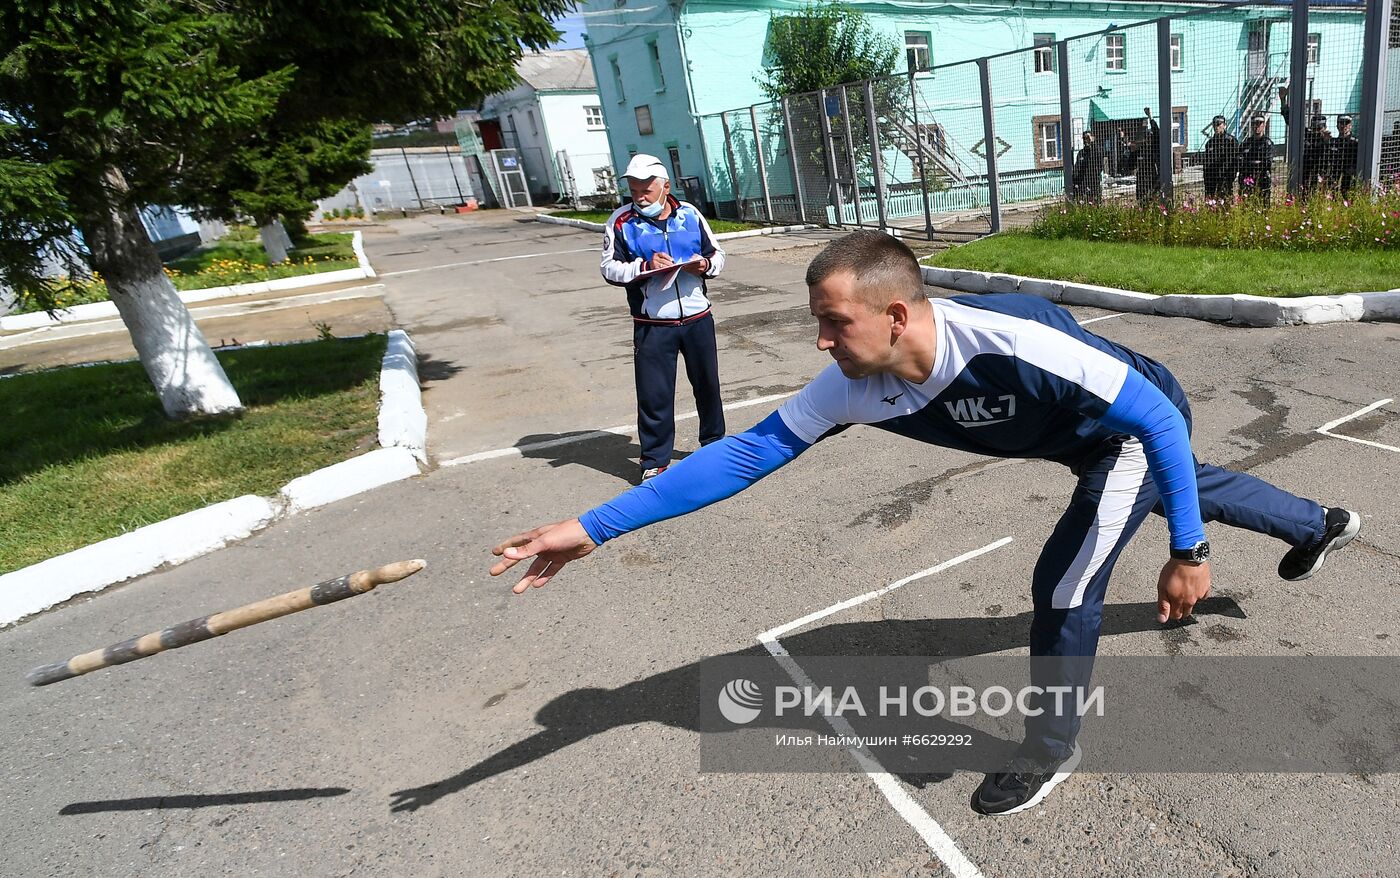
442, 726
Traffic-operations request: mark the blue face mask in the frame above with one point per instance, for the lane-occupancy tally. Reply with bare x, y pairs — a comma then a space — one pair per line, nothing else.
651, 211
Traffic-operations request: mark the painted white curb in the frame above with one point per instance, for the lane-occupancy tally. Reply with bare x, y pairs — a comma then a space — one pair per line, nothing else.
569, 221
402, 421
348, 478
1241, 310
722, 236
97, 310
92, 568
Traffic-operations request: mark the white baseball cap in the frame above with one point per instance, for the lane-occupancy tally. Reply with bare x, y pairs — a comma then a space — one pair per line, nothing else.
644, 167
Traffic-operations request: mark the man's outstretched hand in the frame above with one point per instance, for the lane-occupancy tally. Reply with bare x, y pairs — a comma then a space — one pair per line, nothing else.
551, 545
1179, 587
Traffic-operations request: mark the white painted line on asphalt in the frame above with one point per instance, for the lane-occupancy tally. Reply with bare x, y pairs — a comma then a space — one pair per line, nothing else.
782, 630
601, 432
1326, 428
621, 430
937, 839
1097, 319
482, 261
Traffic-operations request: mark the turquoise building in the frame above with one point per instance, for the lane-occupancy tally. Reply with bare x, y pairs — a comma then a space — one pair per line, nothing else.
665, 70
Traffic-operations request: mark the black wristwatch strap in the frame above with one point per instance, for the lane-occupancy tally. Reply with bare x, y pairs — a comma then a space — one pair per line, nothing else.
1196, 554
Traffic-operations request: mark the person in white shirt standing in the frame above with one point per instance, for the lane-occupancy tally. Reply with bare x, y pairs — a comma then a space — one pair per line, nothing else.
670, 309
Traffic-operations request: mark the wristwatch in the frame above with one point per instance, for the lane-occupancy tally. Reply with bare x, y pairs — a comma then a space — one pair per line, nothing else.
1197, 554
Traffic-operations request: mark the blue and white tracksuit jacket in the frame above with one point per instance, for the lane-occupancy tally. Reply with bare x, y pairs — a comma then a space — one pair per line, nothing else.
1014, 376
629, 242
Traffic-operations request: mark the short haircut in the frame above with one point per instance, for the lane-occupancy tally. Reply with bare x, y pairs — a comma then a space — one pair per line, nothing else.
885, 269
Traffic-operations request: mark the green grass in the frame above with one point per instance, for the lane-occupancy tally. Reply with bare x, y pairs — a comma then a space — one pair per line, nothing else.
319, 248
235, 259
717, 226
1151, 268
89, 454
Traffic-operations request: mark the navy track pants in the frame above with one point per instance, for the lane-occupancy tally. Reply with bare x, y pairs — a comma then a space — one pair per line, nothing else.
1114, 495
655, 347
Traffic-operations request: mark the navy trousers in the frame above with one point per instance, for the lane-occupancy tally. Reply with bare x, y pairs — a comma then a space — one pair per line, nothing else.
1114, 495
655, 347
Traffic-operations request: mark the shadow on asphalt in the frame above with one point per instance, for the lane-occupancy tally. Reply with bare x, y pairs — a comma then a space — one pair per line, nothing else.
430, 369
669, 697
611, 454
154, 803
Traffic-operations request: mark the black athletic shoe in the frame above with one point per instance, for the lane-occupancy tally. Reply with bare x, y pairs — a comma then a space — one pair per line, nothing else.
1023, 784
1300, 562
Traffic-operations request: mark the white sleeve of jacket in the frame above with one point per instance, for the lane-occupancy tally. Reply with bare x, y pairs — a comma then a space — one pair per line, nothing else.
708, 242
617, 264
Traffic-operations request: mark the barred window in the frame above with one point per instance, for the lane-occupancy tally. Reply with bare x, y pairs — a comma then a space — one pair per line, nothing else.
1116, 55
1044, 53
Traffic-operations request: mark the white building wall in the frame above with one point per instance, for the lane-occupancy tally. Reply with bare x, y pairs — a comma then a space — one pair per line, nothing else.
566, 123
523, 128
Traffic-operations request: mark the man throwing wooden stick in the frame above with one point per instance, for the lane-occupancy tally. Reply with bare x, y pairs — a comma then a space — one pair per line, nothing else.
1006, 376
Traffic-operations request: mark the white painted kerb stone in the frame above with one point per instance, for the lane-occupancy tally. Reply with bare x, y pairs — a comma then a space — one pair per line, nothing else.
402, 421
350, 477
1238, 309
40, 586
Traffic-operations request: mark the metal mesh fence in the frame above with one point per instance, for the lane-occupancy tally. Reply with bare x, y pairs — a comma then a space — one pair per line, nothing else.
412, 178
1390, 104
1129, 114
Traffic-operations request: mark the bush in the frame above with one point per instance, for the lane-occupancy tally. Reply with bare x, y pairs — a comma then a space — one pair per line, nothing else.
1324, 221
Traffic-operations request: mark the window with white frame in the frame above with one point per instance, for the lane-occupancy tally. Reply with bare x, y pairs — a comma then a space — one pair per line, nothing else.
657, 76
617, 80
1044, 53
1176, 52
917, 49
644, 119
1116, 52
1179, 127
1047, 141
593, 118
1314, 48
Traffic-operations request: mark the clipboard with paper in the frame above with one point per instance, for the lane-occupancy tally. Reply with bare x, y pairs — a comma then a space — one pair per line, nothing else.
670, 271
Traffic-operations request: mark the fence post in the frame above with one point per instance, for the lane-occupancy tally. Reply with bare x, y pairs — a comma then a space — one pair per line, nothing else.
1371, 120
792, 160
1066, 119
409, 168
1165, 157
733, 172
461, 199
919, 151
762, 168
1297, 94
877, 164
851, 153
829, 147
989, 143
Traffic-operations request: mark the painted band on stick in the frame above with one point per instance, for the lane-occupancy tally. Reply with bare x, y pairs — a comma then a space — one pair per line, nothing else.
204, 628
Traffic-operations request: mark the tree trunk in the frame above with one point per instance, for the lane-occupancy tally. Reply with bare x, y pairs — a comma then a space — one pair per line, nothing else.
282, 233
177, 359
272, 242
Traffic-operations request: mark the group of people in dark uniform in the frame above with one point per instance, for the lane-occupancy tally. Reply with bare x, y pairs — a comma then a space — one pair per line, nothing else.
1328, 162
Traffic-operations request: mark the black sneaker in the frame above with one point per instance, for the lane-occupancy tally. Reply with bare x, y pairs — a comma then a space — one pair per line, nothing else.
1300, 563
1023, 784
